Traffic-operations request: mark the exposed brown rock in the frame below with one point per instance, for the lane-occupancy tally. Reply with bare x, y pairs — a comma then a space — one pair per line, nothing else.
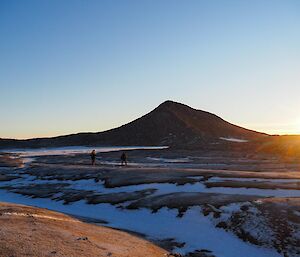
28, 231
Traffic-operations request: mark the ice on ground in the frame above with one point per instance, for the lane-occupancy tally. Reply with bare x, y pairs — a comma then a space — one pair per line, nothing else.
161, 188
177, 160
196, 230
166, 188
76, 150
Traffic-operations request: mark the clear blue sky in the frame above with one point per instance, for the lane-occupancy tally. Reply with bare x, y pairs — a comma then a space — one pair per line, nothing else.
68, 66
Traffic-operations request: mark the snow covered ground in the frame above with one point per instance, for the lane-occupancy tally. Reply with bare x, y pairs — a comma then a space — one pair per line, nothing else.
162, 188
194, 229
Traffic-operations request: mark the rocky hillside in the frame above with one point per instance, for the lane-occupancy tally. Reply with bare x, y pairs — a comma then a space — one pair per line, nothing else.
172, 124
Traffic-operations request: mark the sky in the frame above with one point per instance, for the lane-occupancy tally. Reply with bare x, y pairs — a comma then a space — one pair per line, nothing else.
69, 66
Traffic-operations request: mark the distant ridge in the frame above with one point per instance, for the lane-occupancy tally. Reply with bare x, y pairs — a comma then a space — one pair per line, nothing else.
171, 123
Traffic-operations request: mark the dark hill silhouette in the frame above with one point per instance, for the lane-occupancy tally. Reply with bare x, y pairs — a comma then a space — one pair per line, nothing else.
173, 124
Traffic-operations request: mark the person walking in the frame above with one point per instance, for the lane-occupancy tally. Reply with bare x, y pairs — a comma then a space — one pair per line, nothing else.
93, 157
123, 159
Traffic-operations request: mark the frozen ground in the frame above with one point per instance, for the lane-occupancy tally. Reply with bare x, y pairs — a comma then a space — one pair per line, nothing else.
163, 203
194, 229
76, 150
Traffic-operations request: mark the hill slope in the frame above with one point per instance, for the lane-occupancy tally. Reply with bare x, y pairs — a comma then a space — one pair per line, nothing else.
171, 124
30, 231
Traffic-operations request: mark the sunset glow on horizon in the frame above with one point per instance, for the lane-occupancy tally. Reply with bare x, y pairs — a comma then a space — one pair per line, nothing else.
88, 66
271, 129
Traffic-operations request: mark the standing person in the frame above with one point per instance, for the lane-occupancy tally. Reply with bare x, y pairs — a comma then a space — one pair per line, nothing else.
93, 157
123, 159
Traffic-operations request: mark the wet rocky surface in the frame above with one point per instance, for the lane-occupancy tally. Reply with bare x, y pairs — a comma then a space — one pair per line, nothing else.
183, 200
10, 160
255, 184
115, 198
196, 253
169, 244
62, 192
8, 177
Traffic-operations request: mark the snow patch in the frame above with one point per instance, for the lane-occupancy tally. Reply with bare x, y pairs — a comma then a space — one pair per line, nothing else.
232, 139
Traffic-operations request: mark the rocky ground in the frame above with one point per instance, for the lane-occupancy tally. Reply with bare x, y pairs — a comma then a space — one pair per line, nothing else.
251, 201
28, 231
273, 222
